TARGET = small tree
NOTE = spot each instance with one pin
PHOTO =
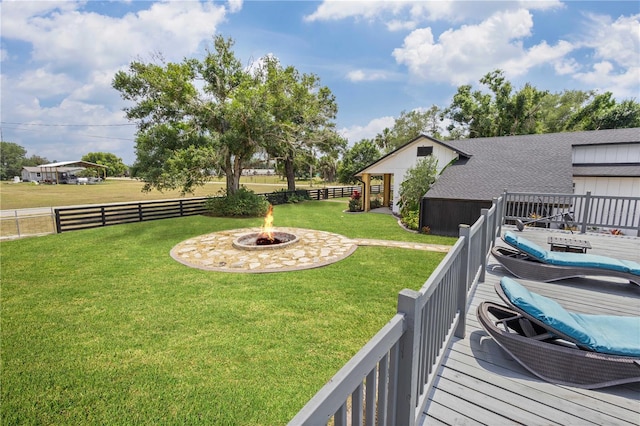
(417, 182)
(114, 164)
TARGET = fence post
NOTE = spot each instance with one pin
(586, 212)
(57, 219)
(485, 236)
(17, 222)
(503, 211)
(408, 357)
(465, 255)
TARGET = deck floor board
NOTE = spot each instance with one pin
(479, 383)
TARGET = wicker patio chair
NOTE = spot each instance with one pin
(525, 259)
(562, 347)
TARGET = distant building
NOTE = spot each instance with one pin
(63, 172)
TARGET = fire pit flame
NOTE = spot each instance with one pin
(266, 232)
(267, 239)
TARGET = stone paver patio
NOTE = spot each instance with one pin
(216, 252)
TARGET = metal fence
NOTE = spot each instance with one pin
(27, 222)
(388, 381)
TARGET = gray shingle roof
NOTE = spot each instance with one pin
(527, 163)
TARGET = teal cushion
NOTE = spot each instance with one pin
(525, 245)
(581, 260)
(614, 335)
(584, 260)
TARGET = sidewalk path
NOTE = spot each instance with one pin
(402, 244)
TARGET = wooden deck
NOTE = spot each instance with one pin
(480, 384)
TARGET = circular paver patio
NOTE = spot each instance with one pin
(215, 251)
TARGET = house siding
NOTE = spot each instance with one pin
(607, 154)
(610, 186)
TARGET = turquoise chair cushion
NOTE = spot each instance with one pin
(615, 335)
(581, 260)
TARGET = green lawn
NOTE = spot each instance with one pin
(103, 327)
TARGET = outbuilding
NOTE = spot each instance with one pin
(61, 172)
(474, 171)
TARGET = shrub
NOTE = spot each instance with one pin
(376, 203)
(284, 196)
(355, 202)
(410, 219)
(243, 203)
(417, 181)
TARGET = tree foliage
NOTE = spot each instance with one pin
(408, 126)
(115, 165)
(303, 114)
(417, 181)
(500, 111)
(212, 115)
(357, 158)
(603, 112)
(13, 158)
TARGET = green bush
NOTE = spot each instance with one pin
(376, 203)
(243, 203)
(284, 196)
(355, 202)
(411, 219)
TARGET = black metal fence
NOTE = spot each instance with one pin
(93, 216)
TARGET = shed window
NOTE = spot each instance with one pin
(424, 151)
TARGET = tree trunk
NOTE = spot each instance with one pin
(290, 173)
(237, 171)
(232, 175)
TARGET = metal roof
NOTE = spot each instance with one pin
(78, 163)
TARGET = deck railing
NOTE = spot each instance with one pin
(389, 380)
(589, 213)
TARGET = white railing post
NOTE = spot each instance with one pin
(465, 256)
(486, 228)
(408, 357)
(586, 212)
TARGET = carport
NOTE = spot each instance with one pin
(50, 172)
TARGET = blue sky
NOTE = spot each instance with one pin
(378, 58)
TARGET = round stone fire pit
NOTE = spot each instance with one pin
(236, 250)
(259, 241)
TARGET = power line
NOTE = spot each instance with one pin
(75, 134)
(67, 125)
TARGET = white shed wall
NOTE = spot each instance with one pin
(611, 186)
(606, 154)
(399, 162)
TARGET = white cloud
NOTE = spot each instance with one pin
(616, 46)
(367, 75)
(235, 6)
(356, 133)
(604, 78)
(617, 41)
(73, 58)
(411, 13)
(460, 55)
